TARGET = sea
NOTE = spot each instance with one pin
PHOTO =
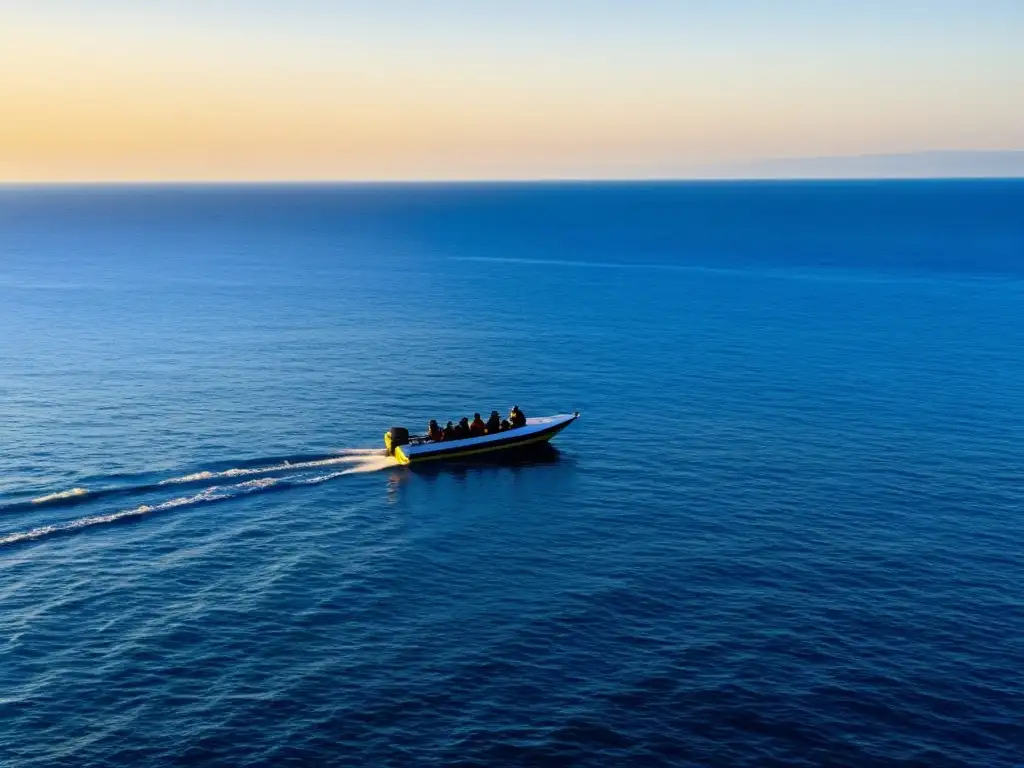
(786, 530)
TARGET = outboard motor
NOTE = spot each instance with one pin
(395, 437)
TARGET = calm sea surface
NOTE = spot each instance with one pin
(788, 528)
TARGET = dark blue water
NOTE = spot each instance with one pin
(787, 529)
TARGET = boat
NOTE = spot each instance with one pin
(414, 449)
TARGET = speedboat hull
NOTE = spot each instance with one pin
(537, 430)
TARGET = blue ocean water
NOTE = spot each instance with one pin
(785, 531)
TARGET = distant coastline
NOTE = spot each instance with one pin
(908, 165)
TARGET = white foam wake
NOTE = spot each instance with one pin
(346, 457)
(210, 494)
(214, 493)
(60, 495)
(363, 463)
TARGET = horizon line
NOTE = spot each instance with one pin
(584, 180)
(888, 166)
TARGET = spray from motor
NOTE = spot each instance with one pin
(370, 462)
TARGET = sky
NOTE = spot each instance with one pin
(245, 90)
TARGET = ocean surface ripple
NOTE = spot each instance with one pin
(785, 531)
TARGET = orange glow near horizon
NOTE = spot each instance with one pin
(155, 98)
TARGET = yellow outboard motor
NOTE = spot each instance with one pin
(395, 437)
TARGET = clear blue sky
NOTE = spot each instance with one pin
(311, 89)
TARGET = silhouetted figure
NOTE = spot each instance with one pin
(505, 425)
(494, 423)
(477, 428)
(462, 430)
(517, 418)
(449, 432)
(434, 432)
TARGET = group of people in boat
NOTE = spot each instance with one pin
(476, 428)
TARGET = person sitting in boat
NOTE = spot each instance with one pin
(462, 430)
(434, 432)
(494, 423)
(505, 425)
(449, 432)
(477, 428)
(517, 418)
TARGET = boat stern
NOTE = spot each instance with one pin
(394, 439)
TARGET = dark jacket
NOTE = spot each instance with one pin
(493, 424)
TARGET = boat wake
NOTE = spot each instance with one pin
(355, 459)
(347, 457)
(348, 462)
(50, 498)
